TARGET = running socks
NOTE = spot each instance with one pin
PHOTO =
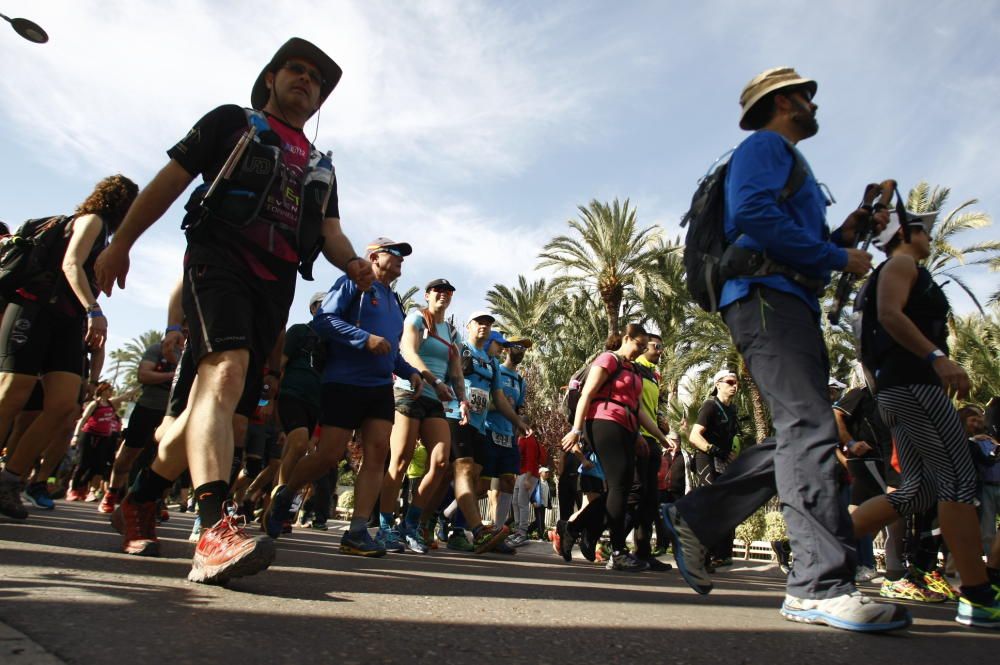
(386, 521)
(981, 594)
(504, 501)
(210, 498)
(150, 486)
(412, 519)
(358, 524)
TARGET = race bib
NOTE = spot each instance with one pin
(503, 440)
(479, 399)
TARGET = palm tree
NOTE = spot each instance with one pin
(128, 357)
(523, 309)
(610, 256)
(973, 345)
(409, 302)
(945, 258)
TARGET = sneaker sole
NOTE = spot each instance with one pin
(251, 563)
(817, 617)
(692, 582)
(978, 623)
(926, 601)
(355, 551)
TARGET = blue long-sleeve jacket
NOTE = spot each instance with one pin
(346, 320)
(793, 233)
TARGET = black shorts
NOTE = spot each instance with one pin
(37, 340)
(867, 479)
(501, 460)
(591, 484)
(347, 406)
(142, 425)
(467, 441)
(228, 310)
(418, 407)
(262, 442)
(295, 413)
(180, 387)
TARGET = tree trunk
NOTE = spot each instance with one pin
(612, 306)
(761, 420)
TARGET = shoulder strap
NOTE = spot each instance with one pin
(797, 176)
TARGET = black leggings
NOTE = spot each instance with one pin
(566, 485)
(97, 453)
(615, 447)
(643, 500)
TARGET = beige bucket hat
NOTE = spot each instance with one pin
(769, 81)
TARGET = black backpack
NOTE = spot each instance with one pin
(706, 242)
(871, 339)
(31, 258)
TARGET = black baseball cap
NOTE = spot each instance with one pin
(440, 283)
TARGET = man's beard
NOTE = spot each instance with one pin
(806, 121)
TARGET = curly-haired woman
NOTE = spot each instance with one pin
(46, 329)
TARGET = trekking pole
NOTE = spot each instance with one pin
(885, 190)
(361, 303)
(235, 156)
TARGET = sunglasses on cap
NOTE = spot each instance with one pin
(390, 250)
(730, 382)
(299, 69)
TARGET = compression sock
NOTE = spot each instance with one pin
(149, 486)
(452, 508)
(386, 521)
(504, 500)
(458, 520)
(210, 498)
(358, 524)
(412, 516)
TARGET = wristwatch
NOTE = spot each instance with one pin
(934, 355)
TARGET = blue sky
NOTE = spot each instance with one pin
(474, 130)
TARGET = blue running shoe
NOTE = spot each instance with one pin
(360, 543)
(277, 512)
(980, 616)
(38, 495)
(414, 539)
(441, 532)
(389, 540)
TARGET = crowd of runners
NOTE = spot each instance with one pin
(252, 416)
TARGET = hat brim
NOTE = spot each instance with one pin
(403, 247)
(443, 287)
(810, 84)
(297, 48)
(520, 341)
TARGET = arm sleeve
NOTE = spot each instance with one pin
(757, 177)
(331, 321)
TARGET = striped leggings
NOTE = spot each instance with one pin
(931, 444)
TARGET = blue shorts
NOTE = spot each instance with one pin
(501, 460)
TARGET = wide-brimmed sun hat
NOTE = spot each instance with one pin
(296, 47)
(924, 219)
(769, 81)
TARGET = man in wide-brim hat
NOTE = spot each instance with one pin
(239, 280)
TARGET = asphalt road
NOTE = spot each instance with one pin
(64, 585)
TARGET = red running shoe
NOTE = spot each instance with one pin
(137, 523)
(76, 495)
(108, 502)
(227, 550)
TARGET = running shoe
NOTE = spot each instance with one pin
(723, 562)
(487, 537)
(11, 504)
(38, 495)
(318, 526)
(226, 551)
(587, 546)
(602, 554)
(428, 535)
(936, 582)
(195, 534)
(503, 548)
(389, 540)
(864, 574)
(908, 589)
(360, 543)
(414, 539)
(91, 497)
(565, 538)
(76, 495)
(459, 542)
(659, 551)
(627, 562)
(980, 616)
(517, 539)
(849, 611)
(108, 502)
(277, 513)
(656, 565)
(164, 515)
(136, 522)
(441, 531)
(689, 553)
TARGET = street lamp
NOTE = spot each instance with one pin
(27, 29)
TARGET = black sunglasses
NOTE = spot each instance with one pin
(299, 68)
